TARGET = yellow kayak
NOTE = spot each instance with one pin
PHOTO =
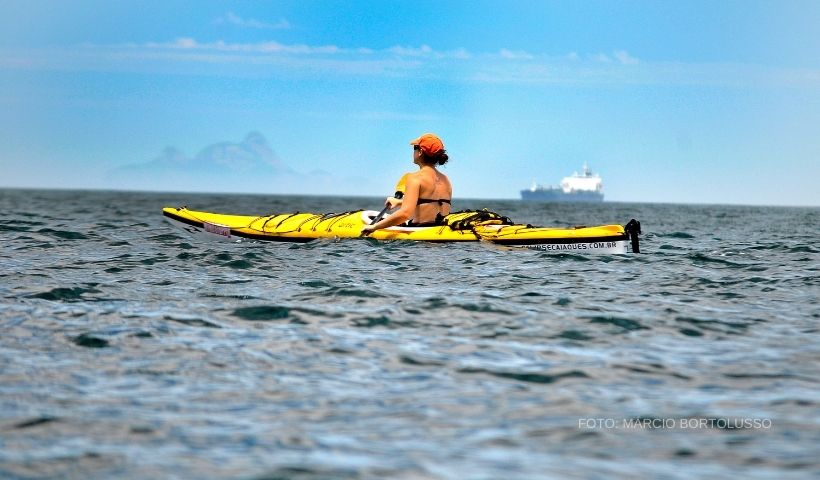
(466, 226)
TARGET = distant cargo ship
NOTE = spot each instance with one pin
(584, 187)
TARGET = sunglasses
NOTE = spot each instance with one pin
(416, 147)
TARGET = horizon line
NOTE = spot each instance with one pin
(322, 195)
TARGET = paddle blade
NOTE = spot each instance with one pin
(401, 186)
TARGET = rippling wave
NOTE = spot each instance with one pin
(132, 350)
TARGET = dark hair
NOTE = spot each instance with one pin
(439, 158)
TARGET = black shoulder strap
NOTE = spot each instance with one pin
(440, 201)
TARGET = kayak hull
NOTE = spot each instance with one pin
(472, 226)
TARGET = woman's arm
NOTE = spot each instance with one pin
(392, 202)
(408, 207)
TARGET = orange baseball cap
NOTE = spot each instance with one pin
(429, 144)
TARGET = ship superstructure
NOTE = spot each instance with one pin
(584, 187)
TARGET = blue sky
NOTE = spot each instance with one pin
(686, 102)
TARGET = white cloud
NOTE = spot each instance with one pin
(262, 47)
(620, 56)
(601, 58)
(504, 66)
(425, 51)
(184, 43)
(421, 51)
(231, 18)
(515, 55)
(625, 58)
(461, 54)
(273, 47)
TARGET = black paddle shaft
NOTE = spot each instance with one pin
(384, 210)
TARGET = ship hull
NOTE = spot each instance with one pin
(556, 195)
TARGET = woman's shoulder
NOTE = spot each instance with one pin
(415, 176)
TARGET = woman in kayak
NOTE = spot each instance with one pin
(427, 193)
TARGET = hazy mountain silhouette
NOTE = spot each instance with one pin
(247, 166)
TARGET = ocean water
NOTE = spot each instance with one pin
(130, 350)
